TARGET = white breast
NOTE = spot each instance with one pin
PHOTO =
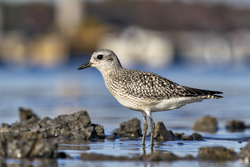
(173, 103)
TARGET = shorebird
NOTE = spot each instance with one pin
(144, 91)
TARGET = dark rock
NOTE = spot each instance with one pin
(194, 136)
(52, 131)
(80, 118)
(99, 131)
(216, 154)
(81, 133)
(130, 128)
(28, 125)
(234, 125)
(162, 134)
(26, 145)
(76, 126)
(43, 148)
(189, 138)
(206, 124)
(111, 137)
(180, 136)
(245, 151)
(197, 136)
(116, 131)
(44, 122)
(25, 139)
(25, 114)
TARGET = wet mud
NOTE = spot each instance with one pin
(155, 156)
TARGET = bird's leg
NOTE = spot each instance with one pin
(145, 128)
(143, 151)
(152, 149)
(152, 126)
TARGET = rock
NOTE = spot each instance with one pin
(116, 131)
(206, 124)
(189, 138)
(111, 137)
(44, 122)
(76, 126)
(194, 136)
(245, 151)
(26, 125)
(25, 139)
(216, 153)
(180, 136)
(197, 136)
(29, 122)
(162, 134)
(25, 114)
(234, 125)
(99, 131)
(130, 128)
(26, 145)
(80, 118)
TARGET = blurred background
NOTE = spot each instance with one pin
(200, 43)
(47, 33)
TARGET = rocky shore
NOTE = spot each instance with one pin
(34, 137)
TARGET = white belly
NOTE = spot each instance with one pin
(173, 103)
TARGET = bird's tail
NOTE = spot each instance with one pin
(201, 93)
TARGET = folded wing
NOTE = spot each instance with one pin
(194, 92)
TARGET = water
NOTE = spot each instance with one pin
(64, 90)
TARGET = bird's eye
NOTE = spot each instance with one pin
(99, 57)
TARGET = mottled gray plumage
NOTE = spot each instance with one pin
(143, 91)
(148, 85)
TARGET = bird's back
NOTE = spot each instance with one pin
(148, 85)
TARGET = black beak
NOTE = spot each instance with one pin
(86, 65)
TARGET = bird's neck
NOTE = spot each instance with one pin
(111, 71)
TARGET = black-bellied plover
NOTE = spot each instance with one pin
(143, 91)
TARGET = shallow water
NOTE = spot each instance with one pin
(64, 90)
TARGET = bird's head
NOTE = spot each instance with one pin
(103, 60)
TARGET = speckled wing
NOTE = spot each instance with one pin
(152, 86)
